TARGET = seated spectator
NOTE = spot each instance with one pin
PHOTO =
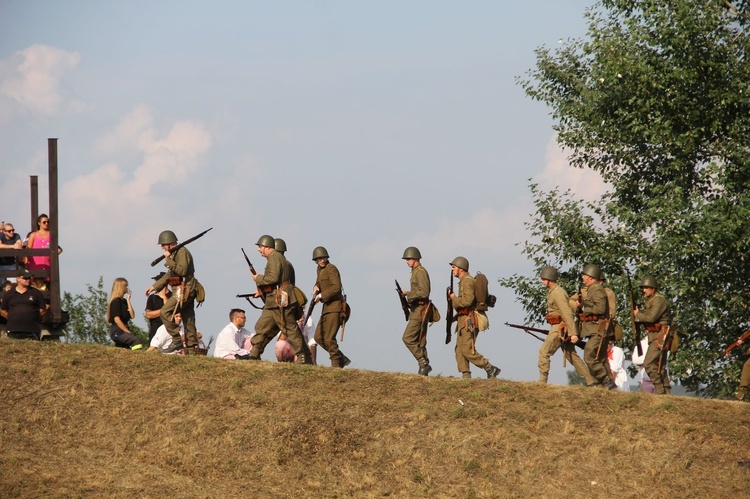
(154, 302)
(162, 339)
(119, 313)
(233, 342)
(9, 240)
(637, 360)
(23, 307)
(616, 359)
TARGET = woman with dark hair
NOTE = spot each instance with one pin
(119, 313)
(39, 239)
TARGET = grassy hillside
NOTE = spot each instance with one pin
(95, 421)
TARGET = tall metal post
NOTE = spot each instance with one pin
(54, 232)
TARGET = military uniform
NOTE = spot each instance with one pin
(559, 314)
(744, 387)
(655, 318)
(418, 298)
(466, 328)
(273, 319)
(594, 326)
(179, 267)
(329, 284)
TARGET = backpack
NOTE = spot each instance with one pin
(485, 300)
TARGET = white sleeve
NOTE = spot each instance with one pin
(225, 343)
(162, 339)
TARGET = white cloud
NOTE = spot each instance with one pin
(586, 184)
(117, 201)
(32, 76)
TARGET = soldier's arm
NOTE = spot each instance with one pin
(595, 303)
(467, 296)
(272, 272)
(652, 311)
(179, 262)
(334, 283)
(420, 285)
(566, 313)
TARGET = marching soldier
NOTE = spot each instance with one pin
(655, 319)
(280, 304)
(563, 331)
(466, 330)
(180, 276)
(418, 298)
(328, 290)
(593, 312)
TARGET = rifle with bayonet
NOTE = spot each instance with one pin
(531, 330)
(402, 298)
(449, 312)
(247, 296)
(180, 245)
(636, 325)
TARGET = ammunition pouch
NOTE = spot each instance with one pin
(267, 288)
(464, 311)
(590, 318)
(653, 328)
(174, 280)
(553, 319)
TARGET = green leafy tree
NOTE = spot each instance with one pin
(656, 99)
(88, 316)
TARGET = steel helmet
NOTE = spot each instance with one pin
(167, 237)
(592, 270)
(279, 244)
(266, 241)
(549, 273)
(461, 263)
(320, 252)
(411, 253)
(648, 281)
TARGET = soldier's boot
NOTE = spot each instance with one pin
(466, 375)
(344, 361)
(173, 347)
(741, 393)
(424, 370)
(255, 353)
(543, 377)
(492, 371)
(667, 390)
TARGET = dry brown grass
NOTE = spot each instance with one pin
(94, 421)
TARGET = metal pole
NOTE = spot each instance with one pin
(53, 228)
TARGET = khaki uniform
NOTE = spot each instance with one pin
(180, 264)
(655, 313)
(466, 328)
(744, 387)
(273, 319)
(329, 284)
(559, 308)
(418, 297)
(594, 314)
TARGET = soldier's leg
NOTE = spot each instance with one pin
(469, 350)
(651, 364)
(548, 349)
(331, 326)
(580, 366)
(591, 358)
(294, 336)
(188, 319)
(411, 339)
(744, 387)
(166, 314)
(266, 329)
(461, 362)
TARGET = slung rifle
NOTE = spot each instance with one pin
(183, 243)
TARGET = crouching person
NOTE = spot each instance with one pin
(233, 342)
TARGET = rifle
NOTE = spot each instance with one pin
(247, 296)
(343, 317)
(636, 325)
(404, 303)
(310, 308)
(183, 243)
(531, 330)
(449, 313)
(251, 295)
(734, 345)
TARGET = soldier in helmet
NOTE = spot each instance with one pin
(563, 331)
(465, 303)
(418, 298)
(593, 312)
(180, 276)
(328, 290)
(655, 319)
(280, 309)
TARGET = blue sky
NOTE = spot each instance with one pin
(364, 127)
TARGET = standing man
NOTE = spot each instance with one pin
(418, 298)
(563, 331)
(9, 240)
(180, 276)
(327, 290)
(655, 320)
(154, 302)
(466, 330)
(234, 341)
(23, 307)
(594, 316)
(280, 304)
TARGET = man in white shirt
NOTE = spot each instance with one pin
(233, 342)
(162, 339)
(619, 375)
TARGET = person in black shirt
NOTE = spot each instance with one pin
(119, 313)
(23, 307)
(154, 302)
